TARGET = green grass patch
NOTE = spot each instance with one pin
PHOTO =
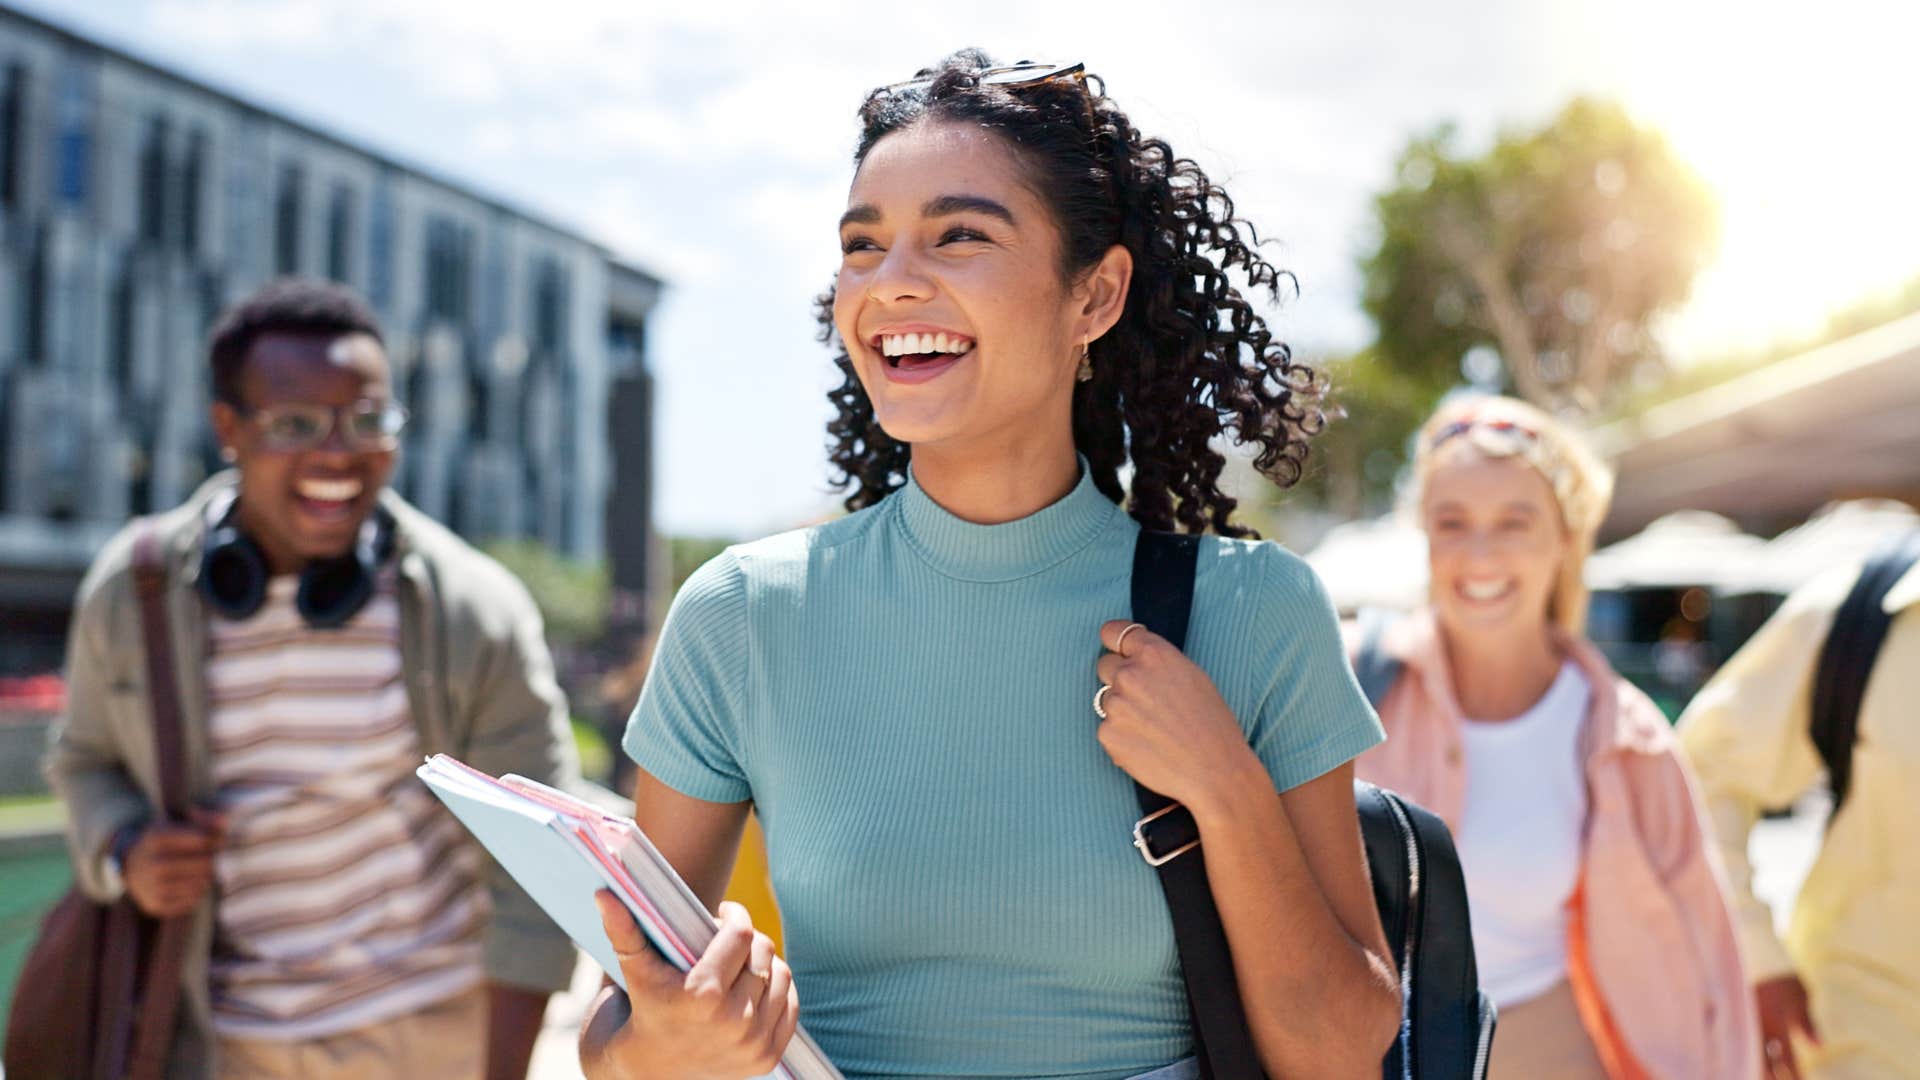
(24, 813)
(34, 882)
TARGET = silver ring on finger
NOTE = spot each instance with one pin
(1100, 701)
(1120, 643)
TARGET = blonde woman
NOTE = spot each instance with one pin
(1599, 919)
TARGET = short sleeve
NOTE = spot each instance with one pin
(1312, 717)
(685, 731)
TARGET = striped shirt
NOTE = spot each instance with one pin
(347, 894)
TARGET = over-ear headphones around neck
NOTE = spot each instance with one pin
(233, 571)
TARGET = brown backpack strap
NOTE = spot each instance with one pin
(150, 584)
(160, 997)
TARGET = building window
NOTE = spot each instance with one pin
(286, 221)
(153, 182)
(13, 132)
(449, 263)
(33, 343)
(494, 307)
(550, 302)
(73, 156)
(122, 331)
(380, 246)
(193, 181)
(478, 415)
(339, 232)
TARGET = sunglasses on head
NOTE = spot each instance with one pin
(1011, 77)
(1499, 427)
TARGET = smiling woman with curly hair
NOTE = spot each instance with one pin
(1188, 359)
(936, 703)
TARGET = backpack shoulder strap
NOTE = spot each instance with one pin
(1374, 668)
(165, 964)
(150, 586)
(1168, 838)
(1846, 660)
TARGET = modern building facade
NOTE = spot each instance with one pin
(136, 203)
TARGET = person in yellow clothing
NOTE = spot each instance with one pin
(1839, 999)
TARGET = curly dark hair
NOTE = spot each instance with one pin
(288, 305)
(1189, 359)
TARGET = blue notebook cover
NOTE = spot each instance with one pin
(536, 845)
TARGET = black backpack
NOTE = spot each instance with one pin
(1446, 1022)
(1847, 657)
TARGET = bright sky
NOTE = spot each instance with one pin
(712, 142)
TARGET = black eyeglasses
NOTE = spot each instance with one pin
(1011, 77)
(363, 425)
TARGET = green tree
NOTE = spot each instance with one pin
(1351, 470)
(1557, 248)
(572, 596)
(686, 554)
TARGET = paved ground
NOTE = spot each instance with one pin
(553, 1055)
(1782, 851)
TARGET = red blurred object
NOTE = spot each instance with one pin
(33, 693)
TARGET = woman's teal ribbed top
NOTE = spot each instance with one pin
(906, 698)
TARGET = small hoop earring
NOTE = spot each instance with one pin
(1084, 373)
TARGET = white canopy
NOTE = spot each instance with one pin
(1841, 534)
(1681, 550)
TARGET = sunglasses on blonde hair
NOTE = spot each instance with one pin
(1498, 427)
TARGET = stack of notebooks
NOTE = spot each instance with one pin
(562, 850)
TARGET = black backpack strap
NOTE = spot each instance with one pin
(1163, 566)
(1846, 660)
(1373, 667)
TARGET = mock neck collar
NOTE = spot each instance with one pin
(1016, 549)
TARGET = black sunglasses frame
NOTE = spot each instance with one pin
(1009, 77)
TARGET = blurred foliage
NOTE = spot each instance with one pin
(1556, 248)
(685, 554)
(596, 757)
(1535, 268)
(1351, 470)
(572, 596)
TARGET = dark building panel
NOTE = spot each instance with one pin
(630, 502)
(288, 203)
(13, 132)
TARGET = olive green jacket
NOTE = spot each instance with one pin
(480, 684)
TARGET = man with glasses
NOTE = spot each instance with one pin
(328, 636)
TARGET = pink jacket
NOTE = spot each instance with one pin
(1652, 957)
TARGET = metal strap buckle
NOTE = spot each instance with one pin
(1146, 849)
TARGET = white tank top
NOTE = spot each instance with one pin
(1519, 839)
